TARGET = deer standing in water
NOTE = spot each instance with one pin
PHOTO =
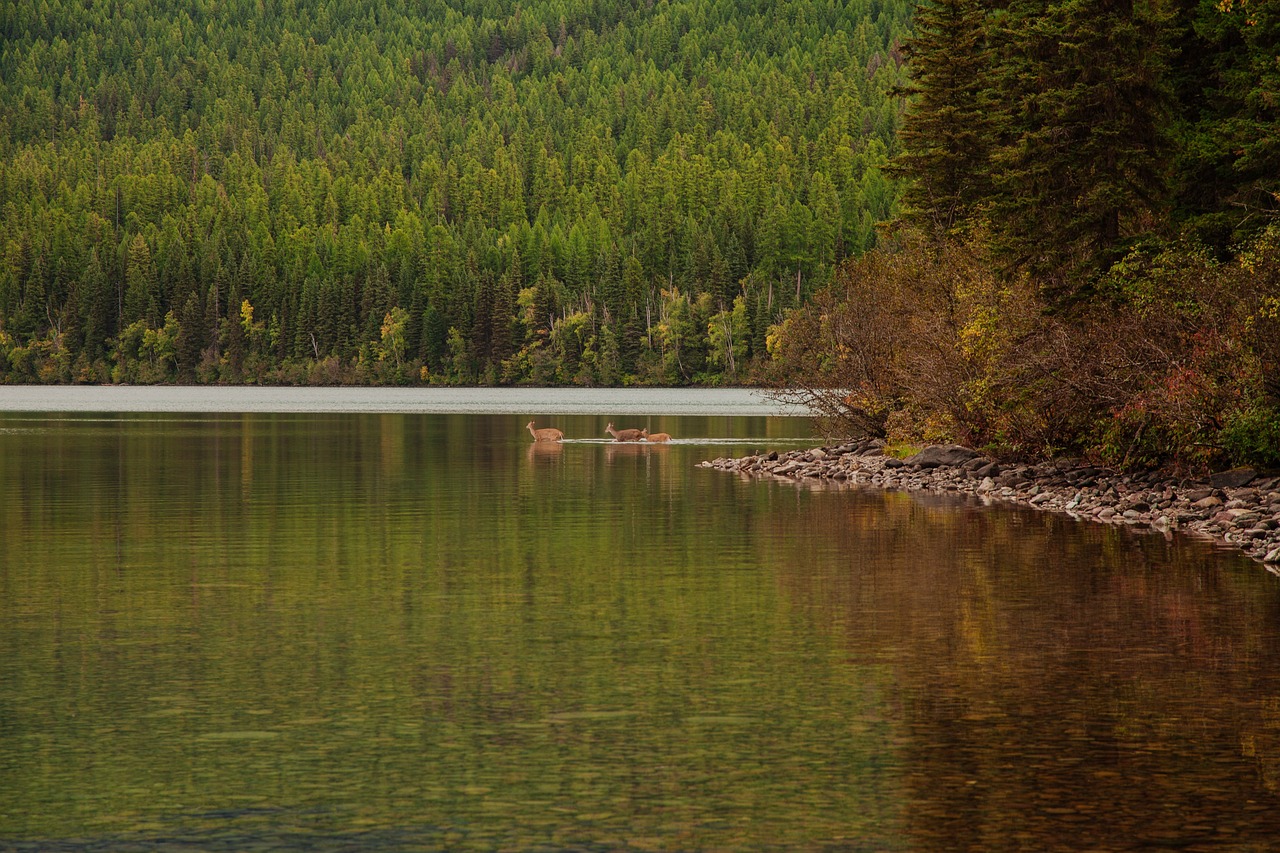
(655, 436)
(548, 434)
(624, 434)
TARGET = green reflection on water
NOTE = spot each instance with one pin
(422, 632)
(332, 624)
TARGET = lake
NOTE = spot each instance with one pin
(354, 622)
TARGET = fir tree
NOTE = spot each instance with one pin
(1085, 113)
(948, 128)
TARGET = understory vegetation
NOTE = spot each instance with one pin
(1172, 361)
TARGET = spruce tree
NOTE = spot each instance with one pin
(95, 307)
(947, 130)
(1084, 163)
(191, 341)
(1228, 86)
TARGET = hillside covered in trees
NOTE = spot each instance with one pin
(1087, 259)
(554, 191)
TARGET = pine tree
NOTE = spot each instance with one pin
(504, 309)
(95, 307)
(1228, 88)
(139, 296)
(948, 128)
(1085, 161)
(191, 341)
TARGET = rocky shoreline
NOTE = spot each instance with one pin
(1238, 507)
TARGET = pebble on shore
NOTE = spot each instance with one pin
(1238, 507)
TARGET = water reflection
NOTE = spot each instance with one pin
(546, 450)
(1065, 685)
(616, 450)
(385, 631)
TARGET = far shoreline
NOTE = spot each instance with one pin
(204, 399)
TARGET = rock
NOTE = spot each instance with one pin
(1236, 508)
(1233, 479)
(991, 469)
(938, 455)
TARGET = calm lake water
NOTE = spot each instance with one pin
(418, 631)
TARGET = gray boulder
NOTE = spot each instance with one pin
(939, 455)
(1234, 479)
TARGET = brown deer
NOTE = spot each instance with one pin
(624, 434)
(548, 434)
(655, 436)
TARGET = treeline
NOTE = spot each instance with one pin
(559, 191)
(1088, 256)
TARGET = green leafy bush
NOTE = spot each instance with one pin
(1252, 437)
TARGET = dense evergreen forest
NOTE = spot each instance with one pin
(1087, 258)
(445, 191)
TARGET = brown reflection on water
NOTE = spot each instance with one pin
(1061, 685)
(545, 450)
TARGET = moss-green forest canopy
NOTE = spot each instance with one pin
(586, 191)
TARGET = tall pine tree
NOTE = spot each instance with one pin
(947, 130)
(1085, 155)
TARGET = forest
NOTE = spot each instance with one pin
(1086, 259)
(1035, 227)
(584, 192)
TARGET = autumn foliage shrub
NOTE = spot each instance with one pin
(911, 342)
(1170, 361)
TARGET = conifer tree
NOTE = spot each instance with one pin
(1228, 87)
(1085, 155)
(95, 307)
(948, 128)
(139, 297)
(190, 344)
